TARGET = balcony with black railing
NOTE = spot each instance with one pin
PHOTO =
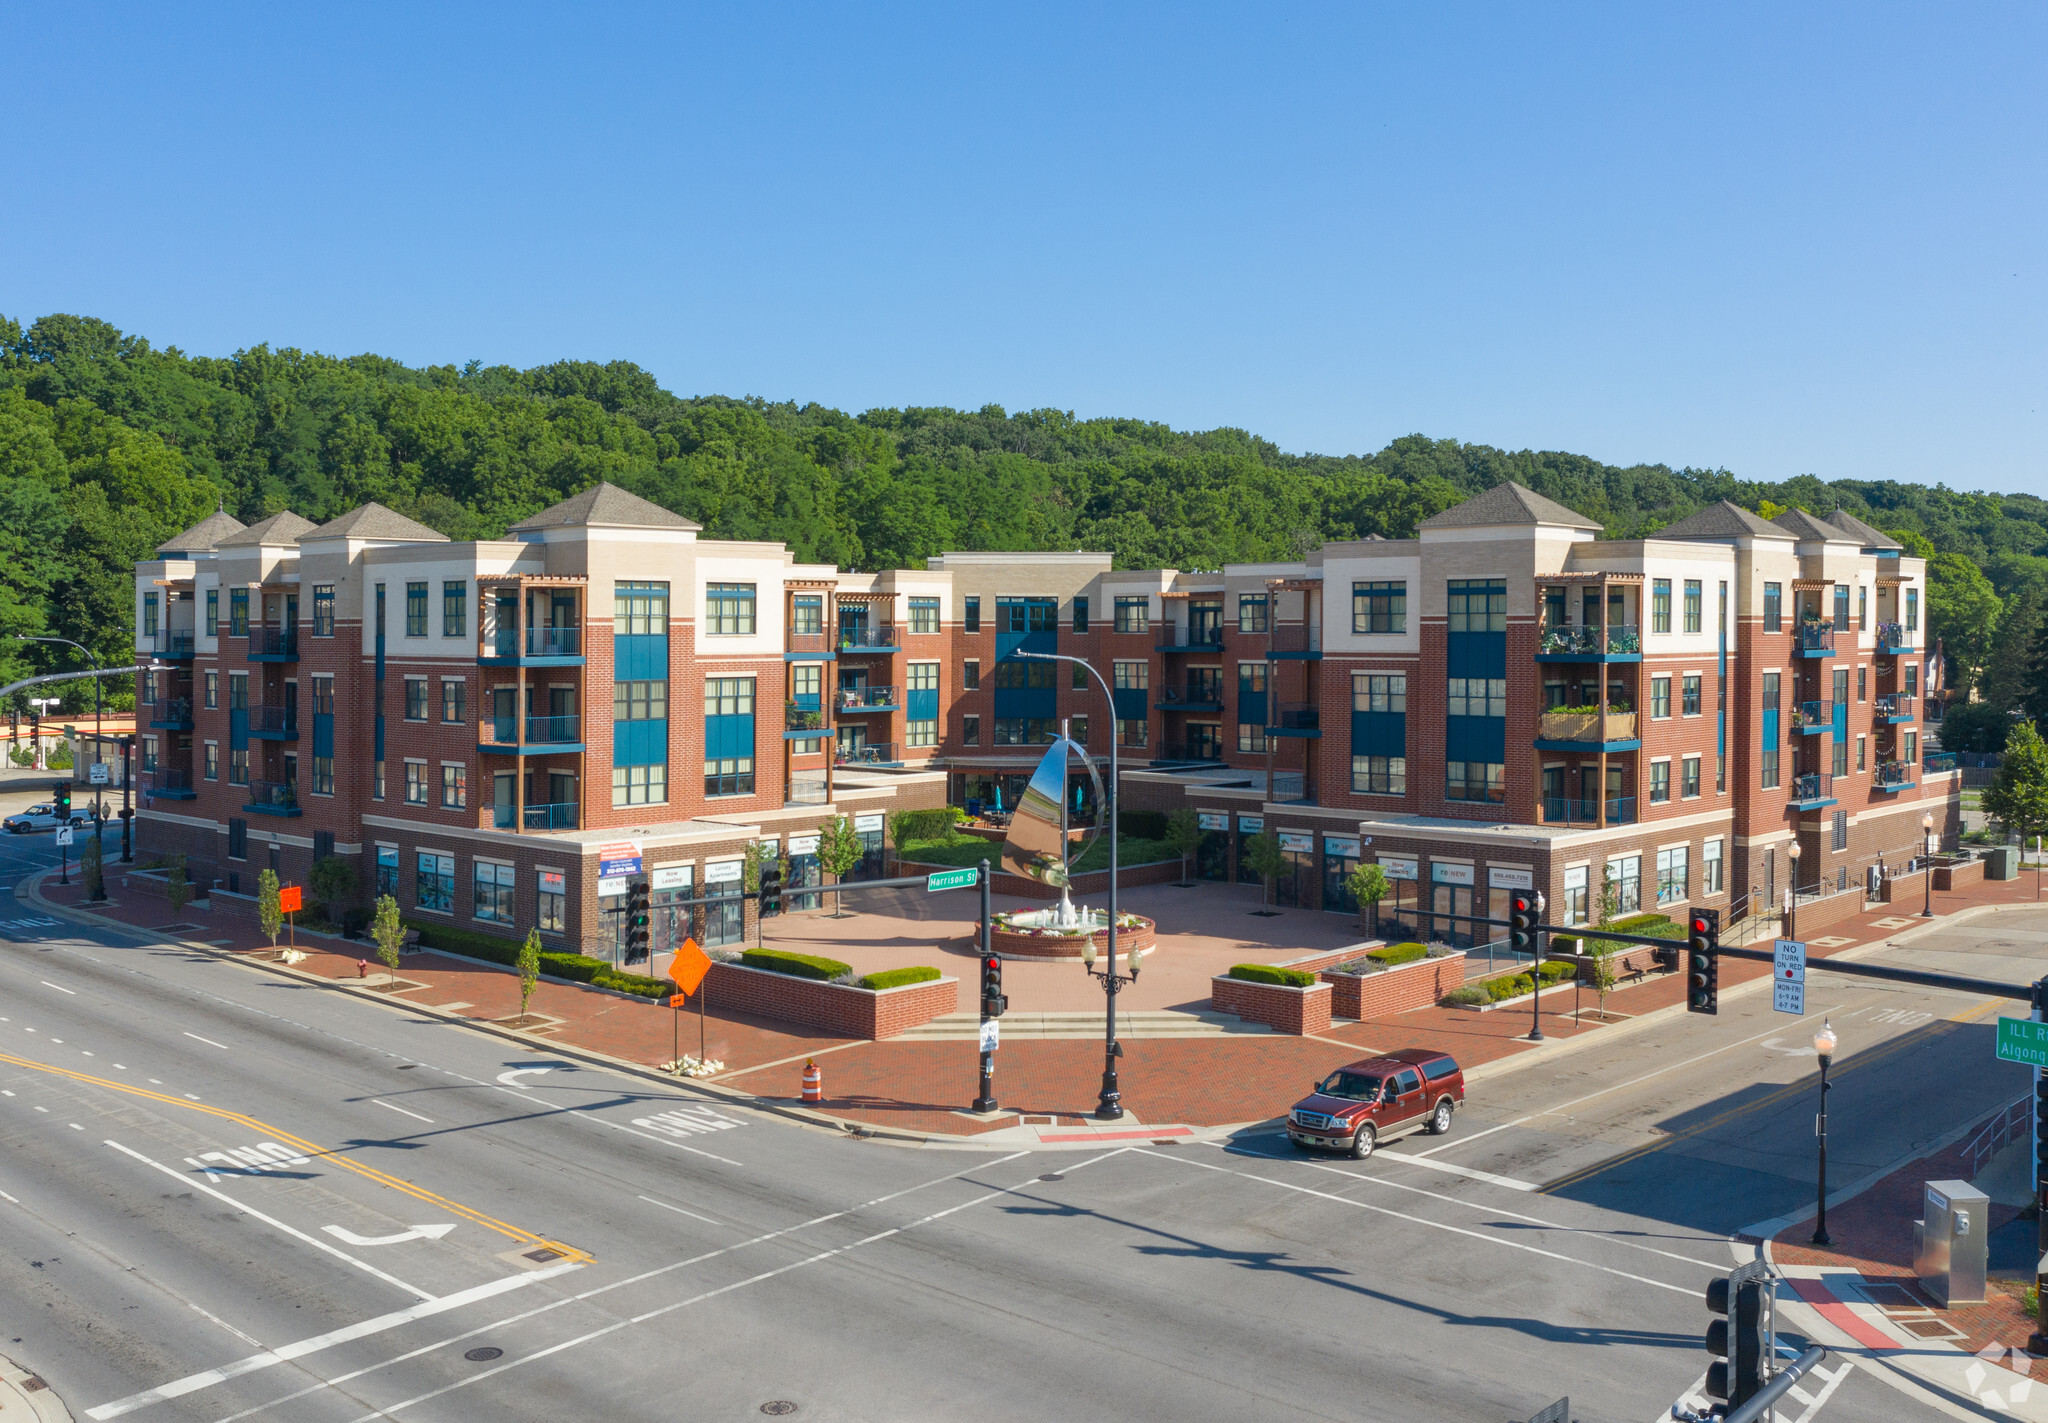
(1172, 635)
(1814, 637)
(1199, 695)
(1812, 790)
(865, 753)
(1812, 718)
(850, 700)
(549, 645)
(274, 723)
(1895, 706)
(1893, 639)
(560, 816)
(173, 783)
(1583, 642)
(1588, 810)
(176, 646)
(274, 644)
(1295, 719)
(1892, 776)
(1193, 751)
(1296, 641)
(171, 714)
(862, 639)
(803, 719)
(543, 735)
(273, 798)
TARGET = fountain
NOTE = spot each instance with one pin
(1040, 848)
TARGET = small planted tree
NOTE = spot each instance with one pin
(2019, 794)
(389, 932)
(839, 850)
(529, 968)
(1369, 885)
(334, 885)
(269, 913)
(1264, 858)
(177, 888)
(1184, 833)
(92, 869)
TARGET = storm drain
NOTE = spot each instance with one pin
(777, 1407)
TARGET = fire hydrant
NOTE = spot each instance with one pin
(814, 1082)
(362, 968)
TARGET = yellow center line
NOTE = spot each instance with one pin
(314, 1149)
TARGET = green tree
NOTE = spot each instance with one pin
(2018, 795)
(2008, 673)
(334, 885)
(529, 968)
(1264, 858)
(1976, 727)
(839, 850)
(388, 931)
(177, 888)
(92, 869)
(1369, 885)
(1963, 610)
(268, 912)
(1604, 977)
(1184, 834)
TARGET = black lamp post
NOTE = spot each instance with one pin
(1792, 894)
(99, 819)
(127, 809)
(1927, 855)
(1824, 1046)
(1111, 1104)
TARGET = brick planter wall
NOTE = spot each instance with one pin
(1289, 1010)
(1904, 889)
(1394, 990)
(1956, 876)
(1836, 908)
(834, 1007)
(1627, 962)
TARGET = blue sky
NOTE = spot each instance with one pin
(1776, 239)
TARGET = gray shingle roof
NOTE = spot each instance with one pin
(203, 536)
(273, 532)
(1507, 503)
(373, 521)
(1721, 520)
(1872, 538)
(1804, 527)
(608, 505)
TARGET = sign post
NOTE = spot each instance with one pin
(288, 899)
(1788, 977)
(686, 969)
(63, 854)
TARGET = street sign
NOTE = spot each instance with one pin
(63, 835)
(991, 1035)
(2023, 1040)
(1788, 975)
(1790, 955)
(98, 773)
(288, 899)
(688, 967)
(618, 857)
(1789, 996)
(951, 879)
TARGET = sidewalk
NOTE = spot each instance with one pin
(23, 1396)
(922, 1088)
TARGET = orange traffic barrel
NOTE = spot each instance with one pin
(814, 1083)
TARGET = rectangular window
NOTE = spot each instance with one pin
(377, 779)
(1133, 732)
(1077, 728)
(970, 674)
(1841, 607)
(149, 753)
(924, 615)
(640, 785)
(238, 612)
(1133, 614)
(1475, 781)
(1080, 682)
(1862, 609)
(1374, 692)
(1251, 612)
(726, 696)
(971, 618)
(1689, 777)
(730, 775)
(1862, 745)
(387, 870)
(1380, 607)
(1912, 756)
(212, 690)
(1660, 697)
(551, 901)
(1131, 676)
(1770, 698)
(648, 701)
(1251, 736)
(1024, 731)
(323, 775)
(434, 882)
(454, 608)
(729, 609)
(806, 685)
(238, 691)
(1774, 607)
(1660, 781)
(1379, 775)
(1694, 613)
(970, 730)
(640, 609)
(323, 610)
(1770, 769)
(1478, 605)
(1912, 609)
(924, 677)
(1478, 696)
(1710, 867)
(1660, 605)
(416, 609)
(149, 693)
(415, 783)
(149, 614)
(213, 760)
(1080, 615)
(323, 696)
(454, 692)
(1027, 615)
(1690, 692)
(1841, 829)
(415, 699)
(238, 841)
(1625, 876)
(1575, 906)
(1841, 758)
(493, 901)
(807, 615)
(238, 767)
(1016, 674)
(1671, 874)
(213, 612)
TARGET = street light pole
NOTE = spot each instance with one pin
(1927, 857)
(1824, 1047)
(1792, 893)
(99, 819)
(127, 808)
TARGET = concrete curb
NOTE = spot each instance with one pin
(35, 1399)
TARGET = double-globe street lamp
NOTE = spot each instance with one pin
(1927, 864)
(1824, 1048)
(1109, 1102)
(99, 817)
(1792, 893)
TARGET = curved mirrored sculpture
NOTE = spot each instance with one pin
(1037, 846)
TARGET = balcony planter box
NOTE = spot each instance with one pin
(1299, 1011)
(1393, 990)
(836, 1008)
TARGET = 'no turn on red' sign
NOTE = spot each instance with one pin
(1788, 977)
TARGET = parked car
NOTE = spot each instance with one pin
(38, 817)
(1357, 1107)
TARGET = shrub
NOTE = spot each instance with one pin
(1393, 954)
(1266, 973)
(907, 826)
(575, 967)
(469, 943)
(1470, 994)
(1515, 985)
(633, 983)
(798, 965)
(896, 977)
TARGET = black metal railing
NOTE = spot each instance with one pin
(171, 713)
(795, 718)
(1814, 635)
(1173, 636)
(173, 779)
(1814, 785)
(1191, 751)
(273, 795)
(1196, 694)
(1893, 638)
(858, 639)
(1810, 716)
(1296, 637)
(175, 645)
(560, 816)
(266, 720)
(274, 642)
(854, 699)
(1296, 716)
(1899, 704)
(865, 753)
(1583, 639)
(1892, 774)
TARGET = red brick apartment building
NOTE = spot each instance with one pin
(1504, 701)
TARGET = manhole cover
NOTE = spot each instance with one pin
(484, 1355)
(543, 1255)
(1930, 1328)
(778, 1407)
(1052, 1176)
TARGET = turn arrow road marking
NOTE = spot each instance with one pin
(418, 1232)
(511, 1079)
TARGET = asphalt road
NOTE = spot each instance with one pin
(224, 1195)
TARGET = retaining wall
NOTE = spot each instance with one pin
(1288, 1010)
(834, 1007)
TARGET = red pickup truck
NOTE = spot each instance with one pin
(1357, 1107)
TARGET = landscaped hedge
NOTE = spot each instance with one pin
(797, 965)
(896, 977)
(907, 826)
(1142, 824)
(633, 983)
(1643, 926)
(469, 942)
(577, 968)
(1266, 973)
(1393, 954)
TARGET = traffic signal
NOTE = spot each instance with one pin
(771, 889)
(1703, 961)
(61, 795)
(1522, 924)
(1741, 1339)
(992, 1000)
(638, 921)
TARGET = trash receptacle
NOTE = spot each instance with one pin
(1951, 1242)
(2002, 862)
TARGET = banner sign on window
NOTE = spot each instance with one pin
(553, 883)
(1298, 842)
(1441, 873)
(611, 888)
(1212, 820)
(671, 877)
(1343, 847)
(803, 844)
(725, 872)
(1396, 867)
(1510, 879)
(1250, 824)
(866, 823)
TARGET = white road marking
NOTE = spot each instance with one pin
(418, 1232)
(192, 1383)
(9, 1199)
(5, 1093)
(42, 1109)
(679, 1210)
(686, 1121)
(1487, 1176)
(667, 1139)
(508, 1078)
(292, 1231)
(414, 1115)
(156, 1081)
(121, 1066)
(208, 1041)
(58, 1041)
(1688, 1290)
(75, 1126)
(59, 987)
